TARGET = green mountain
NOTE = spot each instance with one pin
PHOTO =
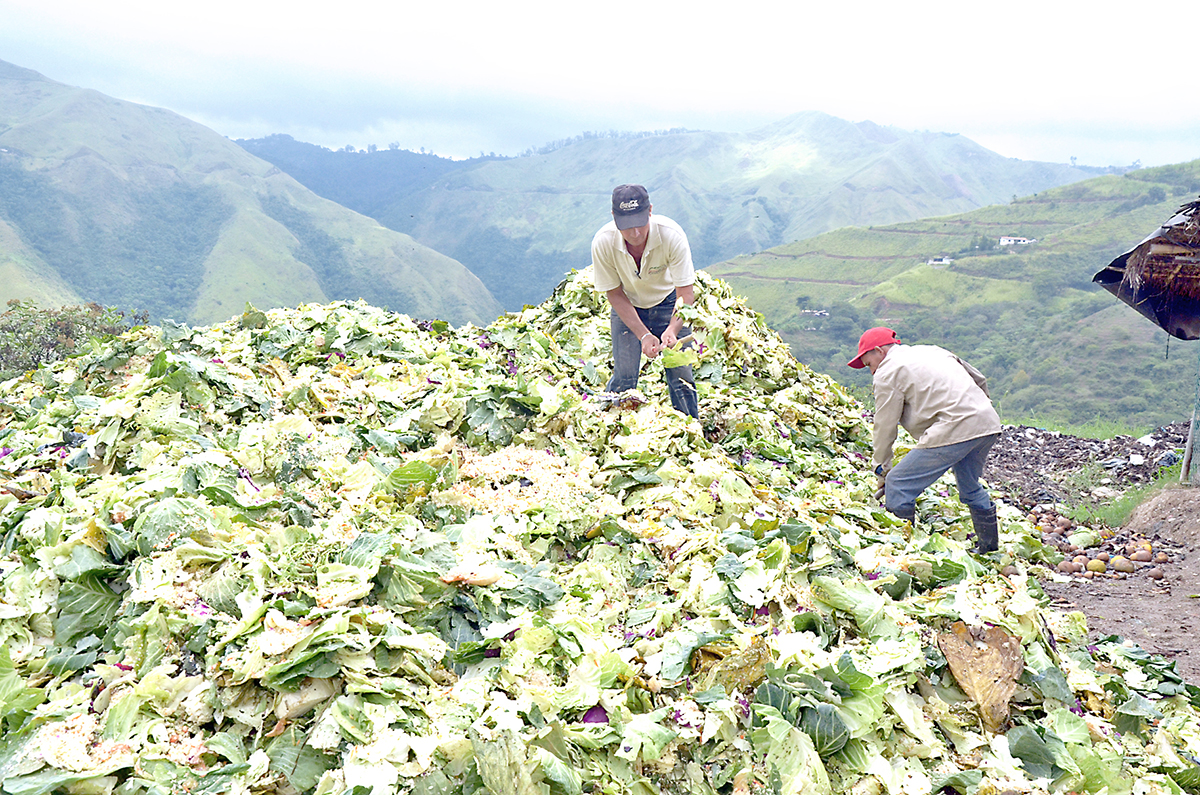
(521, 223)
(365, 180)
(1054, 346)
(133, 206)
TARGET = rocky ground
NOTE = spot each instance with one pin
(1140, 581)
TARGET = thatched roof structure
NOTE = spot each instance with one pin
(1160, 277)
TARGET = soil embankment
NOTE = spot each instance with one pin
(1157, 604)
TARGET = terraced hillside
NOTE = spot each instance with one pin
(1054, 346)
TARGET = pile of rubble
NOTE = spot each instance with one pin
(1033, 466)
(1047, 472)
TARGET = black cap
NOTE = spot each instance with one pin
(631, 206)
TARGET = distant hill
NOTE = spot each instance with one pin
(366, 181)
(1054, 346)
(521, 223)
(137, 207)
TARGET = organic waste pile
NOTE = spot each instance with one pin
(1050, 474)
(1036, 468)
(334, 550)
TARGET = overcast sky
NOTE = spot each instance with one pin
(1043, 80)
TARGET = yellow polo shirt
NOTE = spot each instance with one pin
(666, 262)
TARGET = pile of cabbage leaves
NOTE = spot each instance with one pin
(336, 550)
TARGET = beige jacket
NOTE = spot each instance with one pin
(936, 396)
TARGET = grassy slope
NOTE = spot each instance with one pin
(23, 274)
(139, 207)
(366, 182)
(733, 193)
(1055, 347)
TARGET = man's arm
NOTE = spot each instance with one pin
(604, 268)
(629, 316)
(976, 376)
(889, 406)
(684, 295)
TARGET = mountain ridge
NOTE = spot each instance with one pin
(1055, 347)
(137, 206)
(522, 223)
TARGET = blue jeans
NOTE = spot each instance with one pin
(627, 357)
(924, 465)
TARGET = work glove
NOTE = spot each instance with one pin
(881, 479)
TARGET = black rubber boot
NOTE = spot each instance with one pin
(906, 513)
(987, 532)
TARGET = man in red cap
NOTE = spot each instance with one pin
(943, 403)
(643, 264)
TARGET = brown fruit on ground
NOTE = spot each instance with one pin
(1122, 564)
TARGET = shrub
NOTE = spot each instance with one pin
(31, 336)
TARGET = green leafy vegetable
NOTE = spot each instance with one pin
(335, 550)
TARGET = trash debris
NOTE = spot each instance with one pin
(986, 663)
(333, 550)
(1160, 277)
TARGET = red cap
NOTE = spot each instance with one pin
(871, 339)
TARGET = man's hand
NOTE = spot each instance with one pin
(881, 479)
(651, 346)
(669, 337)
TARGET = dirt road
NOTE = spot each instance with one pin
(1157, 604)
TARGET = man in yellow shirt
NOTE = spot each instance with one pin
(643, 264)
(943, 403)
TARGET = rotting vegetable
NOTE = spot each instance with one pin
(333, 549)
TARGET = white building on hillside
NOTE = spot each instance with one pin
(1006, 240)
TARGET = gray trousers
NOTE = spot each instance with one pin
(922, 466)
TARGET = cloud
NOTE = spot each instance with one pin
(1038, 80)
(1114, 143)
